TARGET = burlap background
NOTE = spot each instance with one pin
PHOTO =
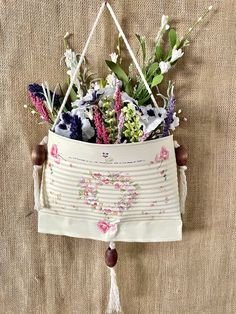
(59, 275)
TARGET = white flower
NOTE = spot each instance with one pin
(71, 63)
(152, 117)
(164, 22)
(80, 112)
(77, 103)
(164, 66)
(114, 57)
(87, 130)
(175, 122)
(164, 27)
(62, 129)
(111, 79)
(176, 54)
(96, 86)
(127, 99)
(107, 91)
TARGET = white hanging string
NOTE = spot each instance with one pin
(131, 54)
(105, 4)
(79, 63)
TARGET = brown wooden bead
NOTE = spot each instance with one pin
(39, 155)
(181, 155)
(111, 257)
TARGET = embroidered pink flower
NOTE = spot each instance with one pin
(54, 151)
(104, 226)
(97, 175)
(105, 180)
(164, 154)
(117, 185)
(54, 154)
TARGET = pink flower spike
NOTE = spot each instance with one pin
(102, 133)
(39, 105)
(118, 101)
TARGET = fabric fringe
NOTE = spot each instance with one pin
(36, 174)
(114, 297)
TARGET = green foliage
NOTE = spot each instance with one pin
(152, 68)
(157, 80)
(172, 37)
(120, 73)
(158, 53)
(73, 95)
(110, 120)
(132, 130)
(142, 43)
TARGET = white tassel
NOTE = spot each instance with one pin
(36, 177)
(114, 297)
(182, 184)
(182, 188)
(36, 174)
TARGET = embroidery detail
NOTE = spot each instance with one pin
(89, 192)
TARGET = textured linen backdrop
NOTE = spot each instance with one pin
(61, 275)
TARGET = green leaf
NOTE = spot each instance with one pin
(159, 53)
(172, 37)
(142, 101)
(142, 42)
(152, 69)
(177, 43)
(119, 72)
(157, 80)
(73, 95)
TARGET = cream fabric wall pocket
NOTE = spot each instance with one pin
(120, 192)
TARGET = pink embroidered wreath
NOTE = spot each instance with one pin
(89, 191)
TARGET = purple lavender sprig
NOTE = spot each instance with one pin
(169, 119)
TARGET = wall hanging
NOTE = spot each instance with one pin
(107, 170)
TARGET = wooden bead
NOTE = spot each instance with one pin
(181, 155)
(39, 155)
(111, 257)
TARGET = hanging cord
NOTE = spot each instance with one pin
(183, 189)
(131, 53)
(36, 176)
(114, 296)
(79, 64)
(105, 4)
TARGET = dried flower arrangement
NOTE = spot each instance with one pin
(117, 109)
